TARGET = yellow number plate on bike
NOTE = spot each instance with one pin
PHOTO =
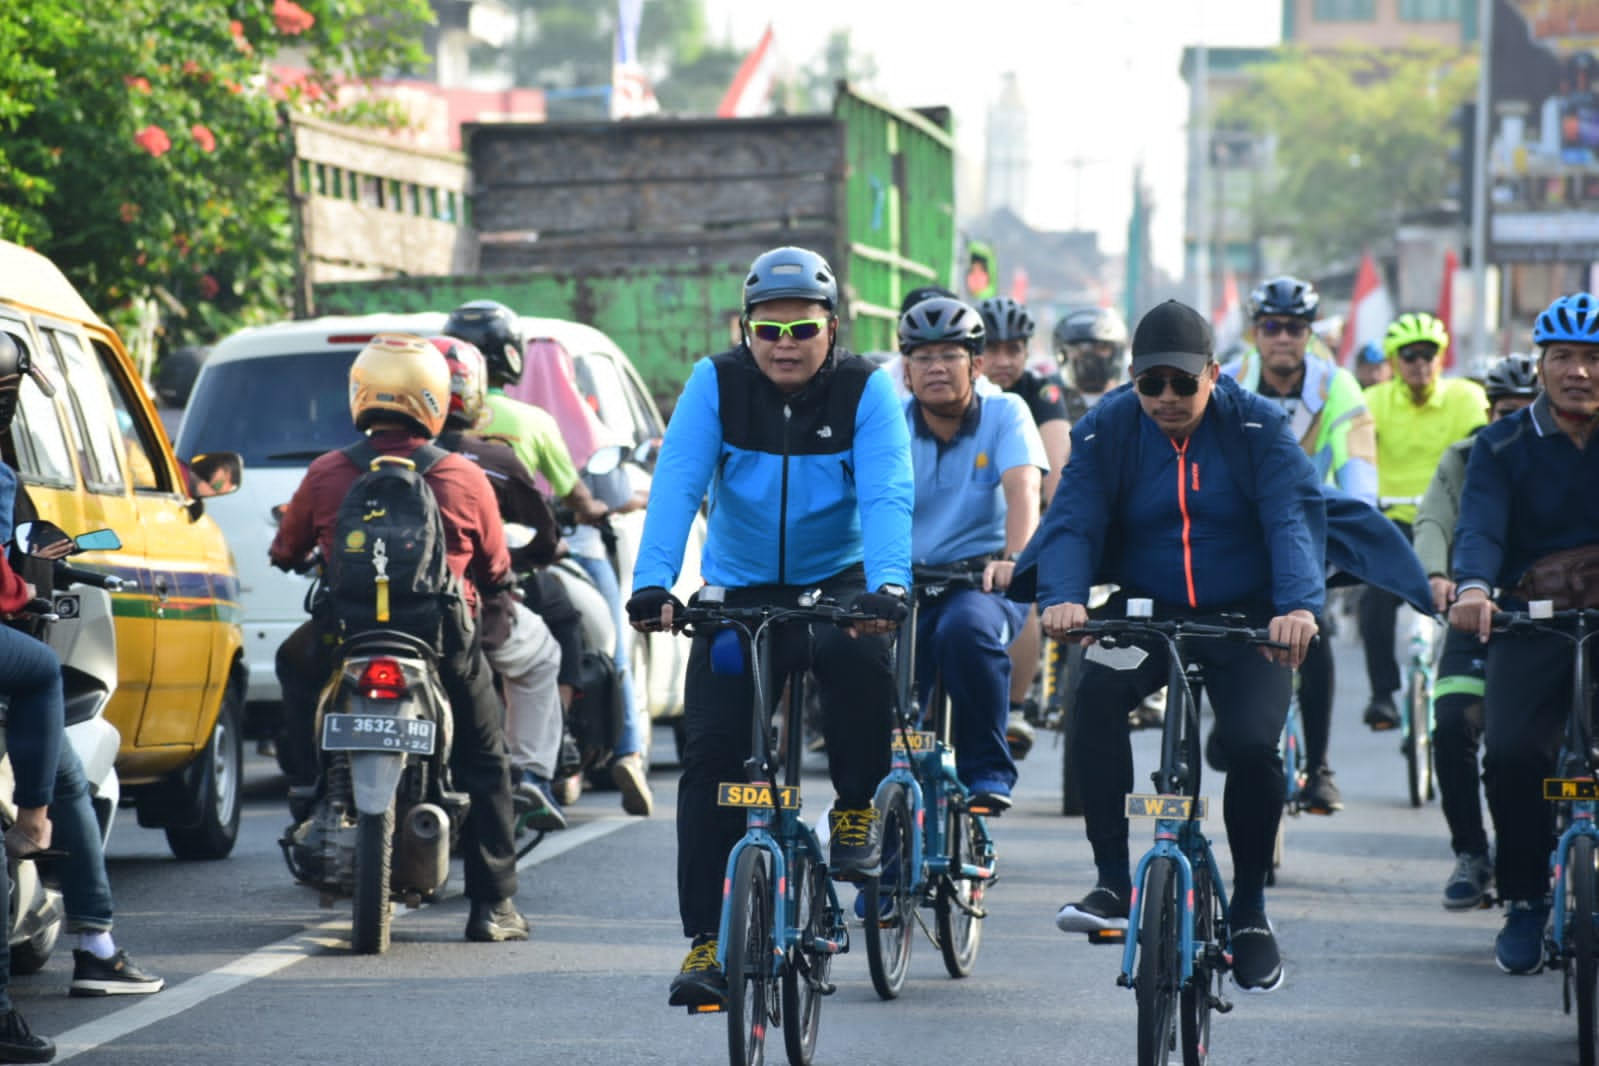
(1169, 807)
(917, 741)
(734, 795)
(1570, 788)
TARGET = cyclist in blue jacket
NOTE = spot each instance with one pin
(1191, 492)
(801, 451)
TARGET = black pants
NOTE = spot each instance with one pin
(479, 761)
(856, 678)
(1457, 712)
(1378, 608)
(1250, 697)
(1525, 708)
(1316, 698)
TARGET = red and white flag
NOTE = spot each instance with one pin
(1446, 307)
(1370, 311)
(1228, 320)
(751, 91)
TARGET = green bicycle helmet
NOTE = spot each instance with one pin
(1417, 327)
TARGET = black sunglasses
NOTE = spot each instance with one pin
(1429, 352)
(1294, 327)
(1154, 384)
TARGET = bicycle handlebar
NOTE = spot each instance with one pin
(757, 615)
(1109, 629)
(1555, 623)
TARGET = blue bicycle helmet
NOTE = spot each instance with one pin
(1574, 318)
(1370, 352)
(790, 273)
(1288, 296)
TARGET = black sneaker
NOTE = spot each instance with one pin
(1381, 714)
(1102, 909)
(1320, 794)
(857, 843)
(116, 976)
(701, 982)
(19, 1044)
(493, 922)
(1257, 964)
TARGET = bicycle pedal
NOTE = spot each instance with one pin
(826, 988)
(1107, 936)
(1221, 1004)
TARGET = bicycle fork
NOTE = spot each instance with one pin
(1174, 838)
(1582, 824)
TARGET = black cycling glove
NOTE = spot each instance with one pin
(645, 604)
(889, 606)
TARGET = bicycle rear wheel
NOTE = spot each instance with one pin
(749, 958)
(1200, 993)
(959, 902)
(1158, 965)
(806, 974)
(1418, 741)
(1583, 966)
(890, 918)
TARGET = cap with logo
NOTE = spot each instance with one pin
(1174, 335)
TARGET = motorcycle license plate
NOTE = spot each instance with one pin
(377, 732)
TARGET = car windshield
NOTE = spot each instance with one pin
(280, 410)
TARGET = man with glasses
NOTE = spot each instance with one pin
(1327, 414)
(1192, 492)
(802, 450)
(1419, 414)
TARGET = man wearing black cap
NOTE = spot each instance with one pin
(1190, 492)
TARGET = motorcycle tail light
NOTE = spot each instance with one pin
(382, 680)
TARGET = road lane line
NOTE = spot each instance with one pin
(264, 962)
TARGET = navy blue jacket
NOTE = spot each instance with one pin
(1233, 516)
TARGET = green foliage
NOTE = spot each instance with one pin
(1362, 138)
(815, 85)
(141, 142)
(697, 87)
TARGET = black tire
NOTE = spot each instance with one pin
(1068, 670)
(216, 787)
(374, 857)
(33, 954)
(808, 970)
(888, 942)
(1418, 744)
(1584, 966)
(749, 955)
(1198, 994)
(960, 932)
(1159, 968)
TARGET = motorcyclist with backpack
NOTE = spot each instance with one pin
(399, 396)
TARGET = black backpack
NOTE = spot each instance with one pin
(389, 568)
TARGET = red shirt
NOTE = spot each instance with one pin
(13, 589)
(474, 536)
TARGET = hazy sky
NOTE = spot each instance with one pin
(1100, 80)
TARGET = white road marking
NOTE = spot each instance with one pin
(264, 962)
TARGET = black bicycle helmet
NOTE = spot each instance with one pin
(1006, 320)
(790, 273)
(496, 331)
(941, 320)
(1098, 325)
(925, 292)
(1288, 296)
(14, 363)
(1514, 375)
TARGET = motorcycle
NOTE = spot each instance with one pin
(76, 621)
(383, 818)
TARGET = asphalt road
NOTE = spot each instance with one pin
(259, 973)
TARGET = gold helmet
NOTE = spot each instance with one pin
(403, 375)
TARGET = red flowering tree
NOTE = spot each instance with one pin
(142, 141)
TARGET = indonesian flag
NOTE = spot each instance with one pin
(631, 95)
(1228, 319)
(751, 91)
(1370, 311)
(1446, 306)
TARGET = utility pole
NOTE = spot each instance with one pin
(1199, 131)
(1479, 190)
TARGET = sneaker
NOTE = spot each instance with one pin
(1018, 733)
(1257, 964)
(856, 842)
(628, 772)
(1100, 910)
(568, 789)
(1519, 946)
(491, 923)
(19, 1044)
(1467, 888)
(701, 982)
(1381, 714)
(116, 976)
(1320, 793)
(533, 801)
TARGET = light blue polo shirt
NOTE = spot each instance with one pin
(960, 503)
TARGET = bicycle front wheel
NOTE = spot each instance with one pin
(1418, 742)
(1582, 966)
(1200, 993)
(890, 918)
(1159, 968)
(749, 958)
(959, 903)
(809, 966)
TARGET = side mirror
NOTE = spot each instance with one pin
(38, 537)
(604, 460)
(98, 540)
(645, 451)
(215, 474)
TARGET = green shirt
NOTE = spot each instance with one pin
(1411, 439)
(535, 436)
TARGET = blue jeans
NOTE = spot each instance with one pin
(965, 636)
(85, 888)
(31, 676)
(604, 578)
